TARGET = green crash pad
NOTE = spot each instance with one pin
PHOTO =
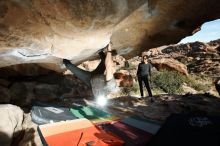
(92, 113)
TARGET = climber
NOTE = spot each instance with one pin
(103, 80)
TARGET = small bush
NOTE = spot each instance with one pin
(169, 81)
(129, 90)
(157, 91)
(195, 84)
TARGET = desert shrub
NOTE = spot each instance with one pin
(196, 84)
(168, 81)
(129, 90)
(157, 91)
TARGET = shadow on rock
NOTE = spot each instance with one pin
(5, 140)
(20, 138)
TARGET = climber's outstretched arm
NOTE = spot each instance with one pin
(110, 70)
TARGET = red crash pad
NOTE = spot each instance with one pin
(80, 132)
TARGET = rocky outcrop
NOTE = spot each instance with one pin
(169, 64)
(22, 84)
(202, 58)
(196, 57)
(42, 85)
(45, 31)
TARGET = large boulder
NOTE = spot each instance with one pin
(45, 31)
(170, 64)
(10, 123)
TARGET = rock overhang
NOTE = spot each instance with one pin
(45, 31)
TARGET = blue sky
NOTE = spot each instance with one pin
(209, 31)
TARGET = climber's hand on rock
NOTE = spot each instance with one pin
(66, 62)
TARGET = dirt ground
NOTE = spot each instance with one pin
(164, 105)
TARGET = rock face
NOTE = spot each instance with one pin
(199, 57)
(196, 57)
(44, 31)
(170, 64)
(40, 84)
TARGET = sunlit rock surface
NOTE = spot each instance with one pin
(45, 31)
(11, 123)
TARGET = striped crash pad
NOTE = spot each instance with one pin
(79, 132)
(43, 113)
(91, 113)
(143, 124)
(130, 135)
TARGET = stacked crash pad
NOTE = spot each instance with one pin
(79, 132)
(43, 113)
